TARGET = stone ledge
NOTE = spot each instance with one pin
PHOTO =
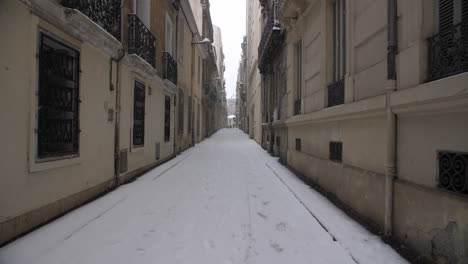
(76, 24)
(371, 107)
(445, 95)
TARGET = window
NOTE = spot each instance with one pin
(143, 8)
(298, 144)
(181, 111)
(169, 35)
(453, 174)
(336, 88)
(298, 59)
(190, 114)
(198, 120)
(336, 151)
(180, 41)
(450, 13)
(448, 50)
(167, 118)
(138, 114)
(58, 106)
(199, 69)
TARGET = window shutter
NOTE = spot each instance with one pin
(446, 15)
(465, 11)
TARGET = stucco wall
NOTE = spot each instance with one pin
(28, 183)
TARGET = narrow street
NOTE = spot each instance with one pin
(223, 201)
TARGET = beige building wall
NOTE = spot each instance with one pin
(253, 78)
(28, 184)
(431, 117)
(34, 191)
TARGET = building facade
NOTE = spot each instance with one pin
(368, 100)
(92, 93)
(252, 73)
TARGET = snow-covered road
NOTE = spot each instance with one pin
(223, 201)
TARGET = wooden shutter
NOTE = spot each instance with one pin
(446, 15)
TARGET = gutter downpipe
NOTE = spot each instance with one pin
(117, 115)
(390, 166)
(117, 101)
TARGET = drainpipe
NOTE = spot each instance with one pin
(390, 166)
(117, 115)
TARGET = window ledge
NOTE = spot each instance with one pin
(58, 162)
(374, 106)
(135, 149)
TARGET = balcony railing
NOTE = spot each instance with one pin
(336, 93)
(272, 38)
(105, 13)
(448, 52)
(141, 41)
(169, 70)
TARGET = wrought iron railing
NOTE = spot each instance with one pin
(105, 13)
(169, 70)
(297, 107)
(271, 36)
(336, 93)
(141, 41)
(448, 52)
(453, 172)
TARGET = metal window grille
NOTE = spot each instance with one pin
(336, 151)
(167, 118)
(139, 114)
(189, 114)
(298, 144)
(158, 151)
(336, 93)
(453, 172)
(58, 108)
(181, 111)
(448, 50)
(297, 102)
(336, 89)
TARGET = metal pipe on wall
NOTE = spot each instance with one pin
(390, 166)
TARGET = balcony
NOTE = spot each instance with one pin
(141, 41)
(272, 39)
(336, 93)
(448, 52)
(104, 13)
(169, 70)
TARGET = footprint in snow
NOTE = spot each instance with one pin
(140, 251)
(266, 203)
(276, 247)
(262, 215)
(281, 227)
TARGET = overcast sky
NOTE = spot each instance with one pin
(229, 15)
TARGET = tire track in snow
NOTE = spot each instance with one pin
(311, 213)
(94, 218)
(172, 166)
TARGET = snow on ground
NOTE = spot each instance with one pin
(224, 201)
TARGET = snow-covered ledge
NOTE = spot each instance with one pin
(139, 66)
(169, 86)
(76, 24)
